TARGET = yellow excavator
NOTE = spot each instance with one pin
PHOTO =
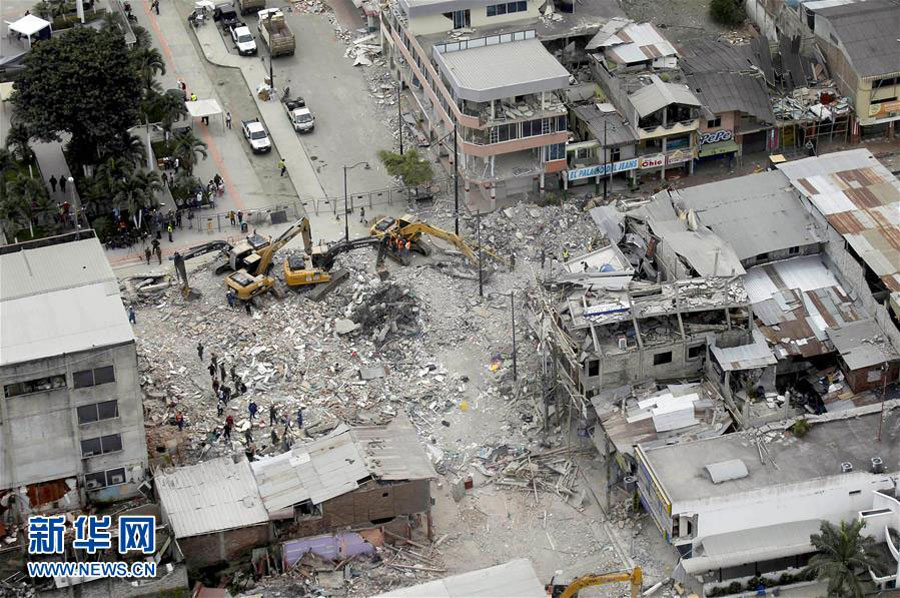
(409, 228)
(571, 590)
(254, 278)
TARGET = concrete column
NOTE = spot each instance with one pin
(541, 183)
(662, 172)
(493, 197)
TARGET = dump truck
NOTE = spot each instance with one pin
(248, 6)
(275, 32)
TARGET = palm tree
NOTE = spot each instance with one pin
(111, 171)
(17, 139)
(24, 199)
(186, 147)
(150, 63)
(172, 109)
(127, 146)
(7, 160)
(136, 192)
(842, 554)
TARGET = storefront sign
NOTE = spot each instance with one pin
(714, 149)
(654, 161)
(716, 136)
(884, 108)
(603, 169)
(678, 156)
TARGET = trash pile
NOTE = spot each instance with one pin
(392, 309)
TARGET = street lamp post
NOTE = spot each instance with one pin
(400, 112)
(346, 209)
(71, 182)
(455, 184)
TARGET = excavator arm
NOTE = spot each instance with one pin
(301, 227)
(635, 578)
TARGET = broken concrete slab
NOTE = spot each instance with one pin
(344, 326)
(372, 373)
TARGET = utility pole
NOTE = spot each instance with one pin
(512, 306)
(455, 184)
(605, 174)
(480, 279)
(400, 112)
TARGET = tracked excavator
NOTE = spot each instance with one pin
(410, 228)
(254, 278)
(559, 590)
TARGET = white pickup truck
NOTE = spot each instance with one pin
(243, 40)
(299, 114)
(256, 135)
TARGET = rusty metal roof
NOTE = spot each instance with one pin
(860, 198)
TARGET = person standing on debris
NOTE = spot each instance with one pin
(170, 232)
(222, 370)
(565, 254)
(233, 218)
(200, 351)
(179, 421)
(247, 307)
(132, 318)
(229, 296)
(243, 387)
(248, 436)
(148, 254)
(286, 440)
(252, 408)
(220, 408)
(215, 384)
(273, 414)
(240, 216)
(282, 166)
(300, 418)
(274, 437)
(159, 254)
(233, 372)
(226, 393)
(229, 424)
(512, 262)
(214, 360)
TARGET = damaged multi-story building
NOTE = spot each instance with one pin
(71, 418)
(481, 72)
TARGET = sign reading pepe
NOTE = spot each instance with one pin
(603, 169)
(716, 136)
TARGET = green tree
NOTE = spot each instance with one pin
(17, 142)
(149, 63)
(127, 146)
(110, 172)
(83, 82)
(7, 160)
(188, 149)
(727, 12)
(25, 198)
(843, 552)
(136, 191)
(409, 167)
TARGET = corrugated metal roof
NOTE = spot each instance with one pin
(707, 55)
(868, 32)
(861, 344)
(502, 70)
(756, 214)
(745, 357)
(53, 268)
(316, 471)
(57, 299)
(860, 198)
(393, 452)
(636, 42)
(616, 131)
(723, 92)
(659, 94)
(515, 579)
(209, 497)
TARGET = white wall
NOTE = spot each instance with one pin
(824, 498)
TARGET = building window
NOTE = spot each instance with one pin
(615, 154)
(562, 123)
(556, 151)
(531, 128)
(36, 385)
(98, 412)
(714, 123)
(696, 352)
(662, 358)
(94, 377)
(593, 368)
(494, 10)
(794, 250)
(102, 479)
(101, 445)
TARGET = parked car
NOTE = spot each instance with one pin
(299, 114)
(256, 135)
(226, 15)
(243, 40)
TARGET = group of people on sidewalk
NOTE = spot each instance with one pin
(223, 393)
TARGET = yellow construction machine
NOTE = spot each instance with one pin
(409, 228)
(254, 278)
(571, 590)
(315, 267)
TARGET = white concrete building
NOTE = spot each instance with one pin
(746, 503)
(71, 418)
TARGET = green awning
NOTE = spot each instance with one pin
(720, 147)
